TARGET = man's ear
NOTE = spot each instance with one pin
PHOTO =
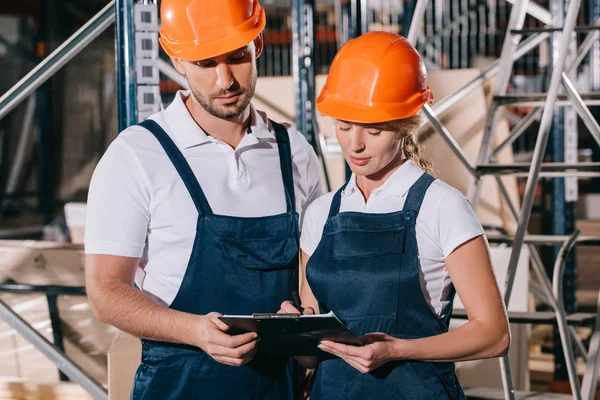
(258, 44)
(178, 64)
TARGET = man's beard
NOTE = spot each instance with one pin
(228, 111)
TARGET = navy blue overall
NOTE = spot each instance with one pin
(366, 270)
(237, 266)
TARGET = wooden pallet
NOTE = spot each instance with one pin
(38, 391)
(498, 394)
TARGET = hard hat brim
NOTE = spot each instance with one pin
(341, 110)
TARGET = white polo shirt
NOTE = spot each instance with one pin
(138, 206)
(445, 221)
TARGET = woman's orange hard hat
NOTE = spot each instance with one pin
(377, 77)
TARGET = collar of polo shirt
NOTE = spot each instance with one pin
(186, 132)
(398, 184)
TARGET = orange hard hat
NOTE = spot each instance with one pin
(377, 77)
(199, 29)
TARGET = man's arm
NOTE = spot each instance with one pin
(114, 300)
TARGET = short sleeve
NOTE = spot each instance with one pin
(118, 204)
(308, 169)
(457, 222)
(313, 177)
(314, 222)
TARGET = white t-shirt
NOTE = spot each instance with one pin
(138, 206)
(445, 221)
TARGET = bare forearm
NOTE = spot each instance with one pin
(473, 340)
(134, 312)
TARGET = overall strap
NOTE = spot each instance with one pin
(334, 209)
(417, 193)
(181, 165)
(285, 162)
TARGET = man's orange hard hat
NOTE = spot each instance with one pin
(377, 77)
(199, 29)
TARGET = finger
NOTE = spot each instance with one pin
(238, 352)
(355, 351)
(355, 364)
(235, 341)
(214, 318)
(374, 337)
(287, 307)
(360, 368)
(357, 360)
(234, 362)
(309, 311)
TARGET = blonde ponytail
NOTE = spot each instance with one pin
(411, 150)
(410, 146)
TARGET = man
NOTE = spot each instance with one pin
(199, 207)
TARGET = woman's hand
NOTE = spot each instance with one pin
(379, 349)
(287, 307)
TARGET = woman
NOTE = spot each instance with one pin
(386, 252)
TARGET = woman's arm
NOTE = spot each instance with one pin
(309, 304)
(306, 294)
(485, 335)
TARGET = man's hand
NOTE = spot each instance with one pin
(379, 349)
(233, 350)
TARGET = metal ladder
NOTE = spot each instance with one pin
(512, 49)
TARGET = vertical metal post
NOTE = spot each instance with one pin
(344, 22)
(44, 150)
(594, 68)
(563, 211)
(594, 56)
(57, 332)
(408, 20)
(45, 140)
(563, 328)
(356, 17)
(304, 76)
(364, 16)
(126, 75)
(303, 41)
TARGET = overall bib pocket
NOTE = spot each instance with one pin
(342, 244)
(262, 253)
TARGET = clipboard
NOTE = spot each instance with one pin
(292, 334)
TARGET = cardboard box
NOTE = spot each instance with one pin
(86, 339)
(42, 263)
(124, 357)
(590, 203)
(75, 215)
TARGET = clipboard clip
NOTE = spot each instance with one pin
(275, 316)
